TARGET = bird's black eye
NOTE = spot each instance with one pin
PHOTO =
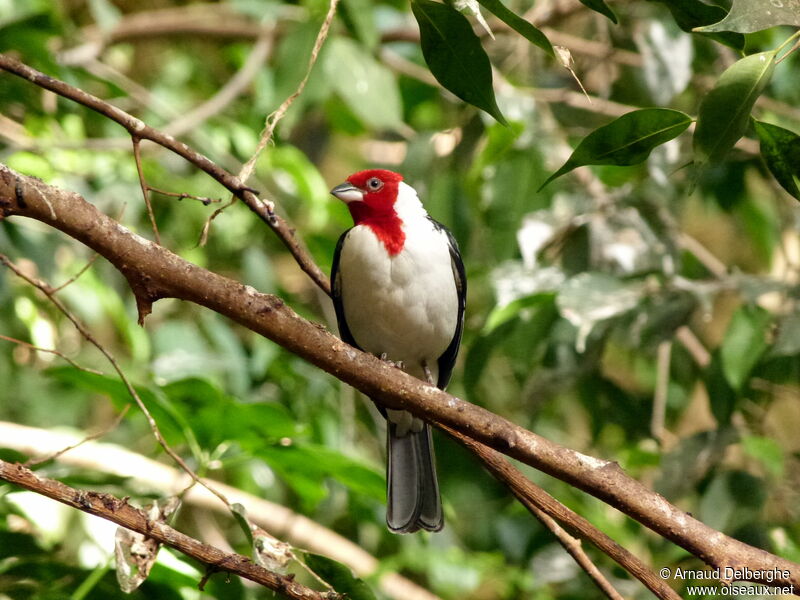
(374, 184)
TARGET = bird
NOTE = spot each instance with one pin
(399, 292)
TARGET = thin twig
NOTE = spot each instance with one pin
(83, 270)
(91, 437)
(789, 52)
(574, 548)
(137, 128)
(269, 128)
(794, 37)
(142, 94)
(119, 511)
(274, 118)
(409, 68)
(207, 225)
(594, 48)
(149, 474)
(51, 351)
(537, 501)
(89, 337)
(714, 265)
(184, 196)
(88, 264)
(694, 346)
(660, 394)
(137, 155)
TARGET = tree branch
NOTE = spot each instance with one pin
(52, 351)
(154, 272)
(544, 507)
(120, 512)
(280, 521)
(139, 130)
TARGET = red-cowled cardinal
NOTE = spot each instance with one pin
(399, 292)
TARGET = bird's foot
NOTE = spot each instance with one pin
(428, 374)
(399, 364)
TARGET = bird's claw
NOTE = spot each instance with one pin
(428, 374)
(398, 364)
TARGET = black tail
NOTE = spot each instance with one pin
(413, 500)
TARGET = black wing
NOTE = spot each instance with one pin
(336, 295)
(448, 359)
(338, 306)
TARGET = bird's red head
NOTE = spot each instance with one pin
(370, 196)
(370, 193)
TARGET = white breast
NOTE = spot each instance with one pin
(405, 305)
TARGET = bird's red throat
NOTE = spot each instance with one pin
(387, 227)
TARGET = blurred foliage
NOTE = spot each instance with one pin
(572, 289)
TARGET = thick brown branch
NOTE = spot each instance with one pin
(120, 512)
(139, 130)
(165, 480)
(156, 272)
(539, 502)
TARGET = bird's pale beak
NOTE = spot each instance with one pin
(347, 192)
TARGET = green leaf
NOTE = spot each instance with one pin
(240, 515)
(367, 87)
(28, 32)
(32, 164)
(592, 297)
(731, 499)
(718, 505)
(295, 48)
(100, 384)
(627, 140)
(13, 12)
(747, 16)
(601, 7)
(761, 223)
(174, 425)
(306, 467)
(725, 111)
(518, 24)
(781, 151)
(339, 577)
(690, 14)
(767, 451)
(744, 343)
(721, 395)
(661, 314)
(16, 544)
(524, 306)
(217, 417)
(477, 358)
(359, 17)
(303, 180)
(527, 319)
(455, 56)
